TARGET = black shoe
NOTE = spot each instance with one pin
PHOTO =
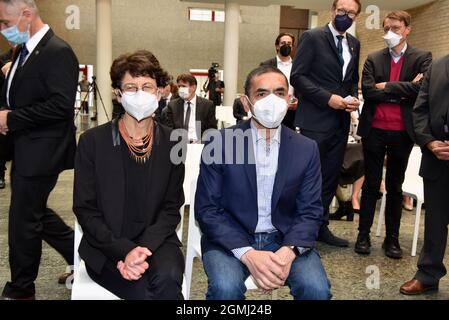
(392, 248)
(327, 237)
(2, 183)
(344, 210)
(363, 244)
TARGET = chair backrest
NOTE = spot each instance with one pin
(194, 233)
(192, 165)
(225, 114)
(78, 237)
(412, 181)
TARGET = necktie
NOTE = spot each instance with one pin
(340, 49)
(187, 120)
(23, 54)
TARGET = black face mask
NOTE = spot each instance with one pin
(285, 50)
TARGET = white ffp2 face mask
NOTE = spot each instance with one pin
(270, 111)
(140, 105)
(392, 39)
(184, 93)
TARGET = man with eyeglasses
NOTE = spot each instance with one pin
(325, 76)
(39, 97)
(391, 82)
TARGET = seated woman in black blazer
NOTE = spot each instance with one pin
(128, 193)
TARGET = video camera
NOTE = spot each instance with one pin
(213, 69)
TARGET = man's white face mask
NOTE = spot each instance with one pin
(270, 111)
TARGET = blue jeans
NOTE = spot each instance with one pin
(227, 275)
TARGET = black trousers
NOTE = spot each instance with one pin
(2, 168)
(30, 222)
(430, 265)
(332, 146)
(396, 145)
(162, 280)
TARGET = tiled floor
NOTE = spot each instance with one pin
(347, 271)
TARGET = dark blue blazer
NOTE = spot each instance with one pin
(317, 74)
(226, 197)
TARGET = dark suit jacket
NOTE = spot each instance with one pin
(270, 62)
(226, 197)
(317, 74)
(204, 112)
(404, 92)
(42, 97)
(99, 196)
(430, 113)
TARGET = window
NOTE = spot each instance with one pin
(201, 14)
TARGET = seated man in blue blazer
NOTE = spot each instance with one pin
(260, 216)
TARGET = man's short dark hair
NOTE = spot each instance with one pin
(258, 72)
(283, 34)
(187, 77)
(399, 15)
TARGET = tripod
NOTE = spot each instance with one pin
(97, 92)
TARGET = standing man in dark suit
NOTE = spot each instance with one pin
(40, 95)
(431, 121)
(190, 112)
(391, 82)
(261, 216)
(283, 61)
(325, 76)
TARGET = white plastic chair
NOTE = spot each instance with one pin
(225, 115)
(84, 288)
(192, 168)
(413, 187)
(194, 249)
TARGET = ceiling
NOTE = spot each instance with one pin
(325, 4)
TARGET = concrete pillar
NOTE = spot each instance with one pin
(231, 51)
(104, 59)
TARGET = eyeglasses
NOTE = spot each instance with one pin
(131, 88)
(351, 14)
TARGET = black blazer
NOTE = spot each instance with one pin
(204, 112)
(42, 97)
(270, 62)
(430, 113)
(317, 74)
(404, 92)
(99, 196)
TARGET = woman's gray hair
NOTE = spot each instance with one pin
(28, 3)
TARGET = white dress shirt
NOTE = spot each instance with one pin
(346, 52)
(286, 68)
(192, 135)
(31, 45)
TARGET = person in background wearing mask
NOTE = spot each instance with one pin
(325, 74)
(39, 97)
(283, 61)
(127, 192)
(261, 218)
(190, 112)
(391, 82)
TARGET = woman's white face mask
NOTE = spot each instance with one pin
(140, 105)
(269, 111)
